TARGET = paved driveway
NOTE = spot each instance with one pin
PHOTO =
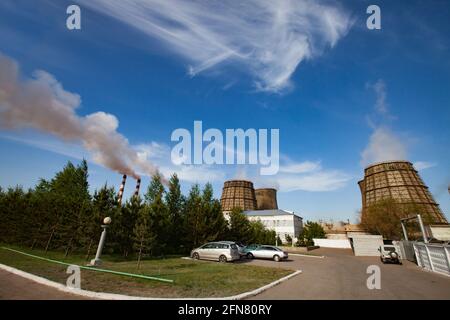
(14, 287)
(340, 275)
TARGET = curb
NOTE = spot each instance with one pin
(306, 255)
(114, 296)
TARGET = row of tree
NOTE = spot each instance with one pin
(61, 214)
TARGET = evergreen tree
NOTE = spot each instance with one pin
(126, 223)
(239, 226)
(175, 206)
(159, 219)
(143, 237)
(70, 192)
(193, 221)
(215, 225)
(311, 230)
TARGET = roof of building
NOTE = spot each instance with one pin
(272, 212)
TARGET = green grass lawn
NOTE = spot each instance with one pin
(191, 278)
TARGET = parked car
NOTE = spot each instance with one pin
(388, 254)
(218, 251)
(249, 248)
(267, 252)
(239, 245)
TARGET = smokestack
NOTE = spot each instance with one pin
(138, 186)
(122, 187)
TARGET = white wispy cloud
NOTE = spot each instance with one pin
(269, 39)
(50, 144)
(304, 176)
(301, 167)
(292, 176)
(327, 180)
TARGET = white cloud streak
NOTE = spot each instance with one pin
(315, 182)
(268, 38)
(301, 167)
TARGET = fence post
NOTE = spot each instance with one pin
(429, 257)
(447, 255)
(418, 255)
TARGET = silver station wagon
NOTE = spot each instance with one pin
(218, 251)
(267, 252)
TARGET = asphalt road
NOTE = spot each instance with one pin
(14, 287)
(340, 275)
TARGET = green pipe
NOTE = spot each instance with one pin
(133, 275)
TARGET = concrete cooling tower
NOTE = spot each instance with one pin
(400, 181)
(266, 199)
(238, 193)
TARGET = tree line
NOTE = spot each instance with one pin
(61, 214)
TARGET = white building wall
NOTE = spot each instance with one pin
(282, 224)
(333, 243)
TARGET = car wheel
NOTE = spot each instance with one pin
(196, 256)
(222, 259)
(250, 256)
(276, 258)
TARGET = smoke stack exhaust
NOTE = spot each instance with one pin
(138, 186)
(122, 187)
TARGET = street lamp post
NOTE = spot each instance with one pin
(105, 225)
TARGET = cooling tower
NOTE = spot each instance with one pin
(238, 194)
(400, 181)
(266, 199)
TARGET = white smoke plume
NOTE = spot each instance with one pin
(384, 144)
(41, 103)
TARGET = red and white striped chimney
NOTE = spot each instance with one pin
(122, 187)
(138, 186)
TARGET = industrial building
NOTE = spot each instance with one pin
(262, 205)
(400, 181)
(281, 221)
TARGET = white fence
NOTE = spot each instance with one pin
(333, 243)
(433, 257)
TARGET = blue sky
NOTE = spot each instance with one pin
(341, 95)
